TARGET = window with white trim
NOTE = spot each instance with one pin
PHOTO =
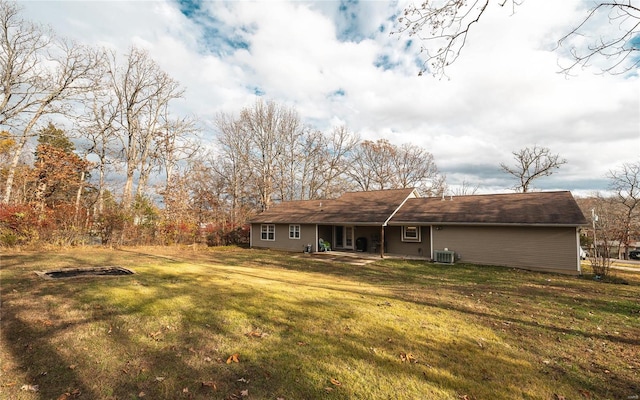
(267, 232)
(411, 234)
(294, 231)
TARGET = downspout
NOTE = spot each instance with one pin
(578, 251)
(250, 236)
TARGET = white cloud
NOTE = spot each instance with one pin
(505, 91)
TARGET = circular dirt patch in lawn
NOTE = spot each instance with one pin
(88, 271)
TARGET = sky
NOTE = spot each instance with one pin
(336, 63)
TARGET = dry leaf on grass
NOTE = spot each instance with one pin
(244, 393)
(335, 382)
(30, 388)
(256, 334)
(67, 395)
(407, 357)
(586, 394)
(328, 389)
(210, 384)
(233, 358)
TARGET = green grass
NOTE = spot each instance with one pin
(305, 328)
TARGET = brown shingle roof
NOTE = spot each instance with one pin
(363, 208)
(532, 208)
(375, 207)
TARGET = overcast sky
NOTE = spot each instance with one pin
(336, 64)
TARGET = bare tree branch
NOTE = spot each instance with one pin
(531, 164)
(615, 49)
(444, 26)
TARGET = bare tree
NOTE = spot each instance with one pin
(603, 227)
(531, 164)
(370, 165)
(40, 75)
(625, 183)
(443, 27)
(98, 126)
(175, 142)
(232, 164)
(466, 189)
(416, 167)
(144, 92)
(270, 128)
(326, 160)
(382, 165)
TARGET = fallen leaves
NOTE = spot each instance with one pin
(69, 395)
(157, 336)
(210, 384)
(256, 333)
(30, 388)
(238, 395)
(408, 357)
(234, 358)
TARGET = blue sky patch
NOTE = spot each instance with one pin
(217, 36)
(338, 93)
(348, 23)
(384, 62)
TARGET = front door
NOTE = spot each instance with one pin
(344, 237)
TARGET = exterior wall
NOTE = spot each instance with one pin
(395, 245)
(541, 249)
(282, 241)
(371, 233)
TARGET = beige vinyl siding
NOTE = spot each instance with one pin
(535, 248)
(395, 245)
(282, 241)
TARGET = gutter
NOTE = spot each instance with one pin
(504, 224)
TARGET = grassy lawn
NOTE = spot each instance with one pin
(249, 324)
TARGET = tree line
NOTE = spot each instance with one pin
(171, 186)
(126, 170)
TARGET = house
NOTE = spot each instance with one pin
(535, 230)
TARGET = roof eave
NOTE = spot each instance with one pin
(503, 224)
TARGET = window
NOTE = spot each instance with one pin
(294, 231)
(268, 232)
(411, 234)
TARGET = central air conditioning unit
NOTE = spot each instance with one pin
(444, 256)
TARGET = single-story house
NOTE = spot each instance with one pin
(534, 230)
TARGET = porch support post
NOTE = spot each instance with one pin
(382, 241)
